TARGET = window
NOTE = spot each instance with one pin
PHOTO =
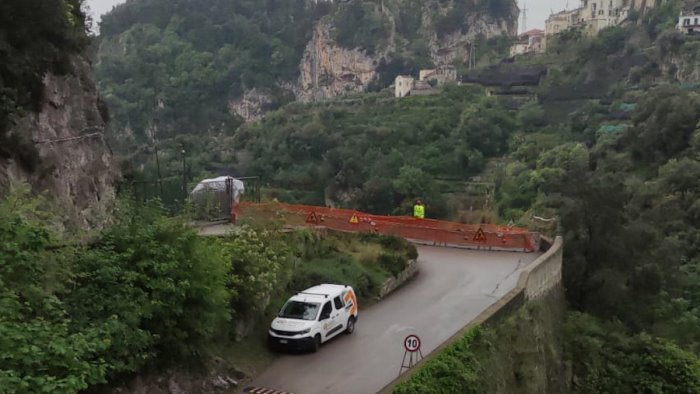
(338, 303)
(696, 21)
(326, 311)
(299, 310)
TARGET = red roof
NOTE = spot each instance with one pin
(533, 32)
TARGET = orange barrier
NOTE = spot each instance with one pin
(435, 232)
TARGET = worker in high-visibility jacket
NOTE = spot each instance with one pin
(419, 210)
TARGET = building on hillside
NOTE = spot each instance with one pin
(528, 42)
(441, 75)
(689, 21)
(592, 16)
(422, 88)
(596, 15)
(403, 85)
(562, 21)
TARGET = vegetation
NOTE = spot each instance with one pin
(455, 370)
(620, 175)
(171, 68)
(525, 352)
(352, 147)
(149, 292)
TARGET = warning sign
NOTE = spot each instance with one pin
(312, 218)
(479, 236)
(354, 219)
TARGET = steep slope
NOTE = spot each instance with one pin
(205, 66)
(52, 125)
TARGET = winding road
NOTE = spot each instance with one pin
(451, 289)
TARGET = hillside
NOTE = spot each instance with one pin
(51, 118)
(611, 154)
(203, 67)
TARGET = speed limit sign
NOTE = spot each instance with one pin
(411, 343)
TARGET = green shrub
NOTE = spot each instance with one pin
(40, 351)
(456, 370)
(392, 262)
(609, 360)
(153, 286)
(336, 269)
(258, 263)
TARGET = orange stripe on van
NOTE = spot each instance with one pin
(350, 295)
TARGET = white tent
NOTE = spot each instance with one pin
(215, 185)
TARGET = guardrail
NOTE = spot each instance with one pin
(435, 232)
(538, 278)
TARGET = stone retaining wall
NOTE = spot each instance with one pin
(392, 283)
(538, 279)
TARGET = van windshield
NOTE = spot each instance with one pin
(299, 310)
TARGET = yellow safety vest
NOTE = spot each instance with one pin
(419, 211)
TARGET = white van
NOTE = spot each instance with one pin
(314, 316)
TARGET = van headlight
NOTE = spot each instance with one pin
(308, 330)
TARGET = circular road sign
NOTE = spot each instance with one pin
(411, 343)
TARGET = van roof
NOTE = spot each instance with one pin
(319, 293)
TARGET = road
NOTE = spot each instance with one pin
(451, 289)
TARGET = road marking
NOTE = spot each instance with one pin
(262, 390)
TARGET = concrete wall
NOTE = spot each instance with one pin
(392, 283)
(537, 280)
(544, 273)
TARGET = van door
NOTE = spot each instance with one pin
(326, 320)
(338, 317)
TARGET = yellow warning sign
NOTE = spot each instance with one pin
(354, 219)
(479, 236)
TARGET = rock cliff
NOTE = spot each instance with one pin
(329, 69)
(74, 165)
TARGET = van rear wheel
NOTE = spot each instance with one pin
(350, 327)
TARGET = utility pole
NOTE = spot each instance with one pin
(472, 55)
(155, 147)
(184, 174)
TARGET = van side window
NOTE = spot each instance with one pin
(338, 302)
(326, 311)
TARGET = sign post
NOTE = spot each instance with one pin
(411, 345)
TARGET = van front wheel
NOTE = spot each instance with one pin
(316, 344)
(350, 327)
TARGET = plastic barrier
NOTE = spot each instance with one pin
(435, 232)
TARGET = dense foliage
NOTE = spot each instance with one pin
(609, 361)
(172, 68)
(174, 65)
(621, 176)
(36, 36)
(150, 292)
(347, 151)
(455, 370)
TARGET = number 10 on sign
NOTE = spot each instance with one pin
(411, 345)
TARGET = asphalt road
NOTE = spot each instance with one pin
(452, 288)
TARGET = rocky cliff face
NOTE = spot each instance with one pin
(329, 70)
(251, 106)
(456, 47)
(75, 169)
